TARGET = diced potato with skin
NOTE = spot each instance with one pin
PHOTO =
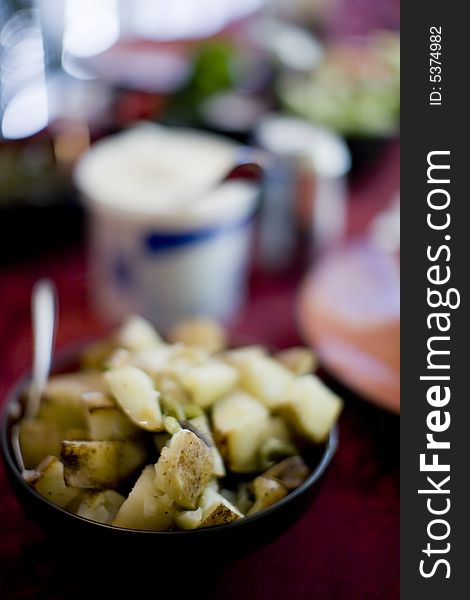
(184, 469)
(291, 472)
(65, 413)
(49, 482)
(132, 458)
(97, 399)
(238, 356)
(183, 358)
(207, 383)
(146, 507)
(120, 358)
(92, 465)
(229, 495)
(300, 360)
(240, 425)
(63, 403)
(273, 449)
(188, 519)
(138, 334)
(279, 429)
(201, 423)
(135, 393)
(38, 439)
(161, 440)
(110, 424)
(217, 510)
(266, 379)
(96, 355)
(312, 408)
(100, 506)
(244, 497)
(76, 434)
(72, 386)
(153, 361)
(201, 332)
(267, 492)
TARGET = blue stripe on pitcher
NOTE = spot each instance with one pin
(158, 242)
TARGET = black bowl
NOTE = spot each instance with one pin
(238, 538)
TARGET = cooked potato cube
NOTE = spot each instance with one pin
(207, 383)
(201, 332)
(239, 355)
(72, 386)
(244, 496)
(279, 429)
(146, 507)
(138, 334)
(184, 468)
(240, 427)
(229, 495)
(291, 472)
(217, 510)
(92, 465)
(38, 439)
(49, 482)
(76, 433)
(273, 449)
(267, 492)
(161, 440)
(96, 355)
(153, 361)
(299, 360)
(65, 413)
(132, 458)
(136, 395)
(100, 506)
(63, 403)
(201, 424)
(97, 399)
(188, 519)
(184, 358)
(312, 408)
(107, 424)
(266, 379)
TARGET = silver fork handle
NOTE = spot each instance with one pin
(43, 312)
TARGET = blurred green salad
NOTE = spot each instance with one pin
(355, 90)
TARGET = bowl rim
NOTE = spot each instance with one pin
(11, 405)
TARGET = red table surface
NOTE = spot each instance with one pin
(345, 547)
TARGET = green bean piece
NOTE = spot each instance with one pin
(171, 425)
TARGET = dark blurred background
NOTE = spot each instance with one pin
(75, 71)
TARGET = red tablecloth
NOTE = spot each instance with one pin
(347, 544)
